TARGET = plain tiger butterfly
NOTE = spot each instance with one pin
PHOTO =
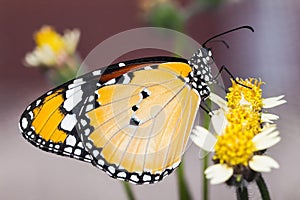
(131, 119)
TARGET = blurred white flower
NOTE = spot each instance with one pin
(52, 49)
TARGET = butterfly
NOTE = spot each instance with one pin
(131, 119)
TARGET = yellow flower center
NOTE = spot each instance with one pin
(48, 36)
(240, 95)
(246, 118)
(235, 146)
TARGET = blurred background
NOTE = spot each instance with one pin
(272, 53)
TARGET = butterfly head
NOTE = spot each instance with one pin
(200, 76)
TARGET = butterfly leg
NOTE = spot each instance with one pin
(206, 108)
(224, 68)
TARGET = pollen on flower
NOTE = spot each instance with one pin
(249, 120)
(48, 36)
(235, 146)
(240, 95)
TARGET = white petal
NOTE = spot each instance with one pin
(219, 121)
(267, 129)
(203, 138)
(266, 138)
(46, 55)
(262, 163)
(71, 39)
(267, 117)
(31, 60)
(218, 100)
(218, 173)
(273, 101)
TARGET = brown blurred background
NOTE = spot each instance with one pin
(271, 53)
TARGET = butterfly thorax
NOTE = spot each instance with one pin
(200, 77)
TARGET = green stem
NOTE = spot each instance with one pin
(184, 193)
(205, 194)
(263, 188)
(128, 190)
(242, 193)
(205, 161)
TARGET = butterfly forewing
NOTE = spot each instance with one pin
(49, 122)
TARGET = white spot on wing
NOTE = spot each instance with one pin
(122, 175)
(111, 169)
(126, 79)
(122, 65)
(110, 82)
(72, 101)
(76, 83)
(68, 149)
(89, 107)
(146, 178)
(31, 114)
(95, 153)
(38, 102)
(77, 152)
(71, 140)
(89, 145)
(72, 91)
(175, 165)
(80, 145)
(134, 178)
(97, 72)
(148, 68)
(68, 122)
(24, 123)
(87, 131)
(83, 122)
(91, 98)
(101, 162)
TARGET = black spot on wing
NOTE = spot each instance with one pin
(134, 108)
(144, 94)
(134, 122)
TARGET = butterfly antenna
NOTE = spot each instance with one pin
(222, 41)
(226, 32)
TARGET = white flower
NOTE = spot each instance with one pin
(52, 48)
(240, 138)
(220, 173)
